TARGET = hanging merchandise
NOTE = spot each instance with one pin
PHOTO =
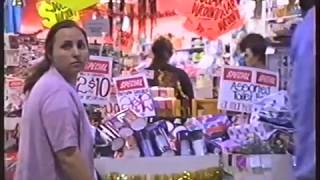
(13, 15)
(142, 8)
(131, 15)
(122, 11)
(153, 14)
(110, 15)
(126, 41)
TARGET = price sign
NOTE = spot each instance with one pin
(134, 93)
(94, 83)
(12, 57)
(240, 87)
(95, 28)
(111, 107)
(13, 93)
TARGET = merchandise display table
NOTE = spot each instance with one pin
(164, 168)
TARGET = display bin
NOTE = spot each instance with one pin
(259, 167)
(161, 168)
(202, 107)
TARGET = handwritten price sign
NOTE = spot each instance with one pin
(133, 93)
(94, 83)
(13, 92)
(240, 87)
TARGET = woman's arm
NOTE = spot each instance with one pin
(61, 123)
(73, 164)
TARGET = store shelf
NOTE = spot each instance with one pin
(191, 50)
(275, 19)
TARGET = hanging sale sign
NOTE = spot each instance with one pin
(240, 87)
(52, 12)
(211, 18)
(79, 4)
(94, 83)
(133, 93)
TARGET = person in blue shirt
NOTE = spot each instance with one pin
(302, 94)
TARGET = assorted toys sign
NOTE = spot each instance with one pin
(94, 83)
(133, 93)
(240, 87)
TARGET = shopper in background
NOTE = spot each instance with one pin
(303, 93)
(166, 75)
(238, 54)
(254, 47)
(56, 141)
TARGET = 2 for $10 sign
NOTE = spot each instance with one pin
(94, 82)
(240, 87)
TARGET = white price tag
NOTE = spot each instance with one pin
(254, 161)
(266, 162)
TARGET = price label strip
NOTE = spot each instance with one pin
(255, 164)
(94, 83)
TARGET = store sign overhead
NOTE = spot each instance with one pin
(53, 12)
(78, 5)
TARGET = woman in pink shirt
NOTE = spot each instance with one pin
(56, 141)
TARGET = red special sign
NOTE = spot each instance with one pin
(130, 84)
(94, 66)
(15, 84)
(237, 75)
(266, 79)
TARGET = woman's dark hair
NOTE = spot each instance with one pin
(39, 69)
(256, 43)
(162, 50)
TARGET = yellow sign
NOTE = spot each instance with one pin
(53, 12)
(78, 5)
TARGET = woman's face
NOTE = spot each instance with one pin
(70, 51)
